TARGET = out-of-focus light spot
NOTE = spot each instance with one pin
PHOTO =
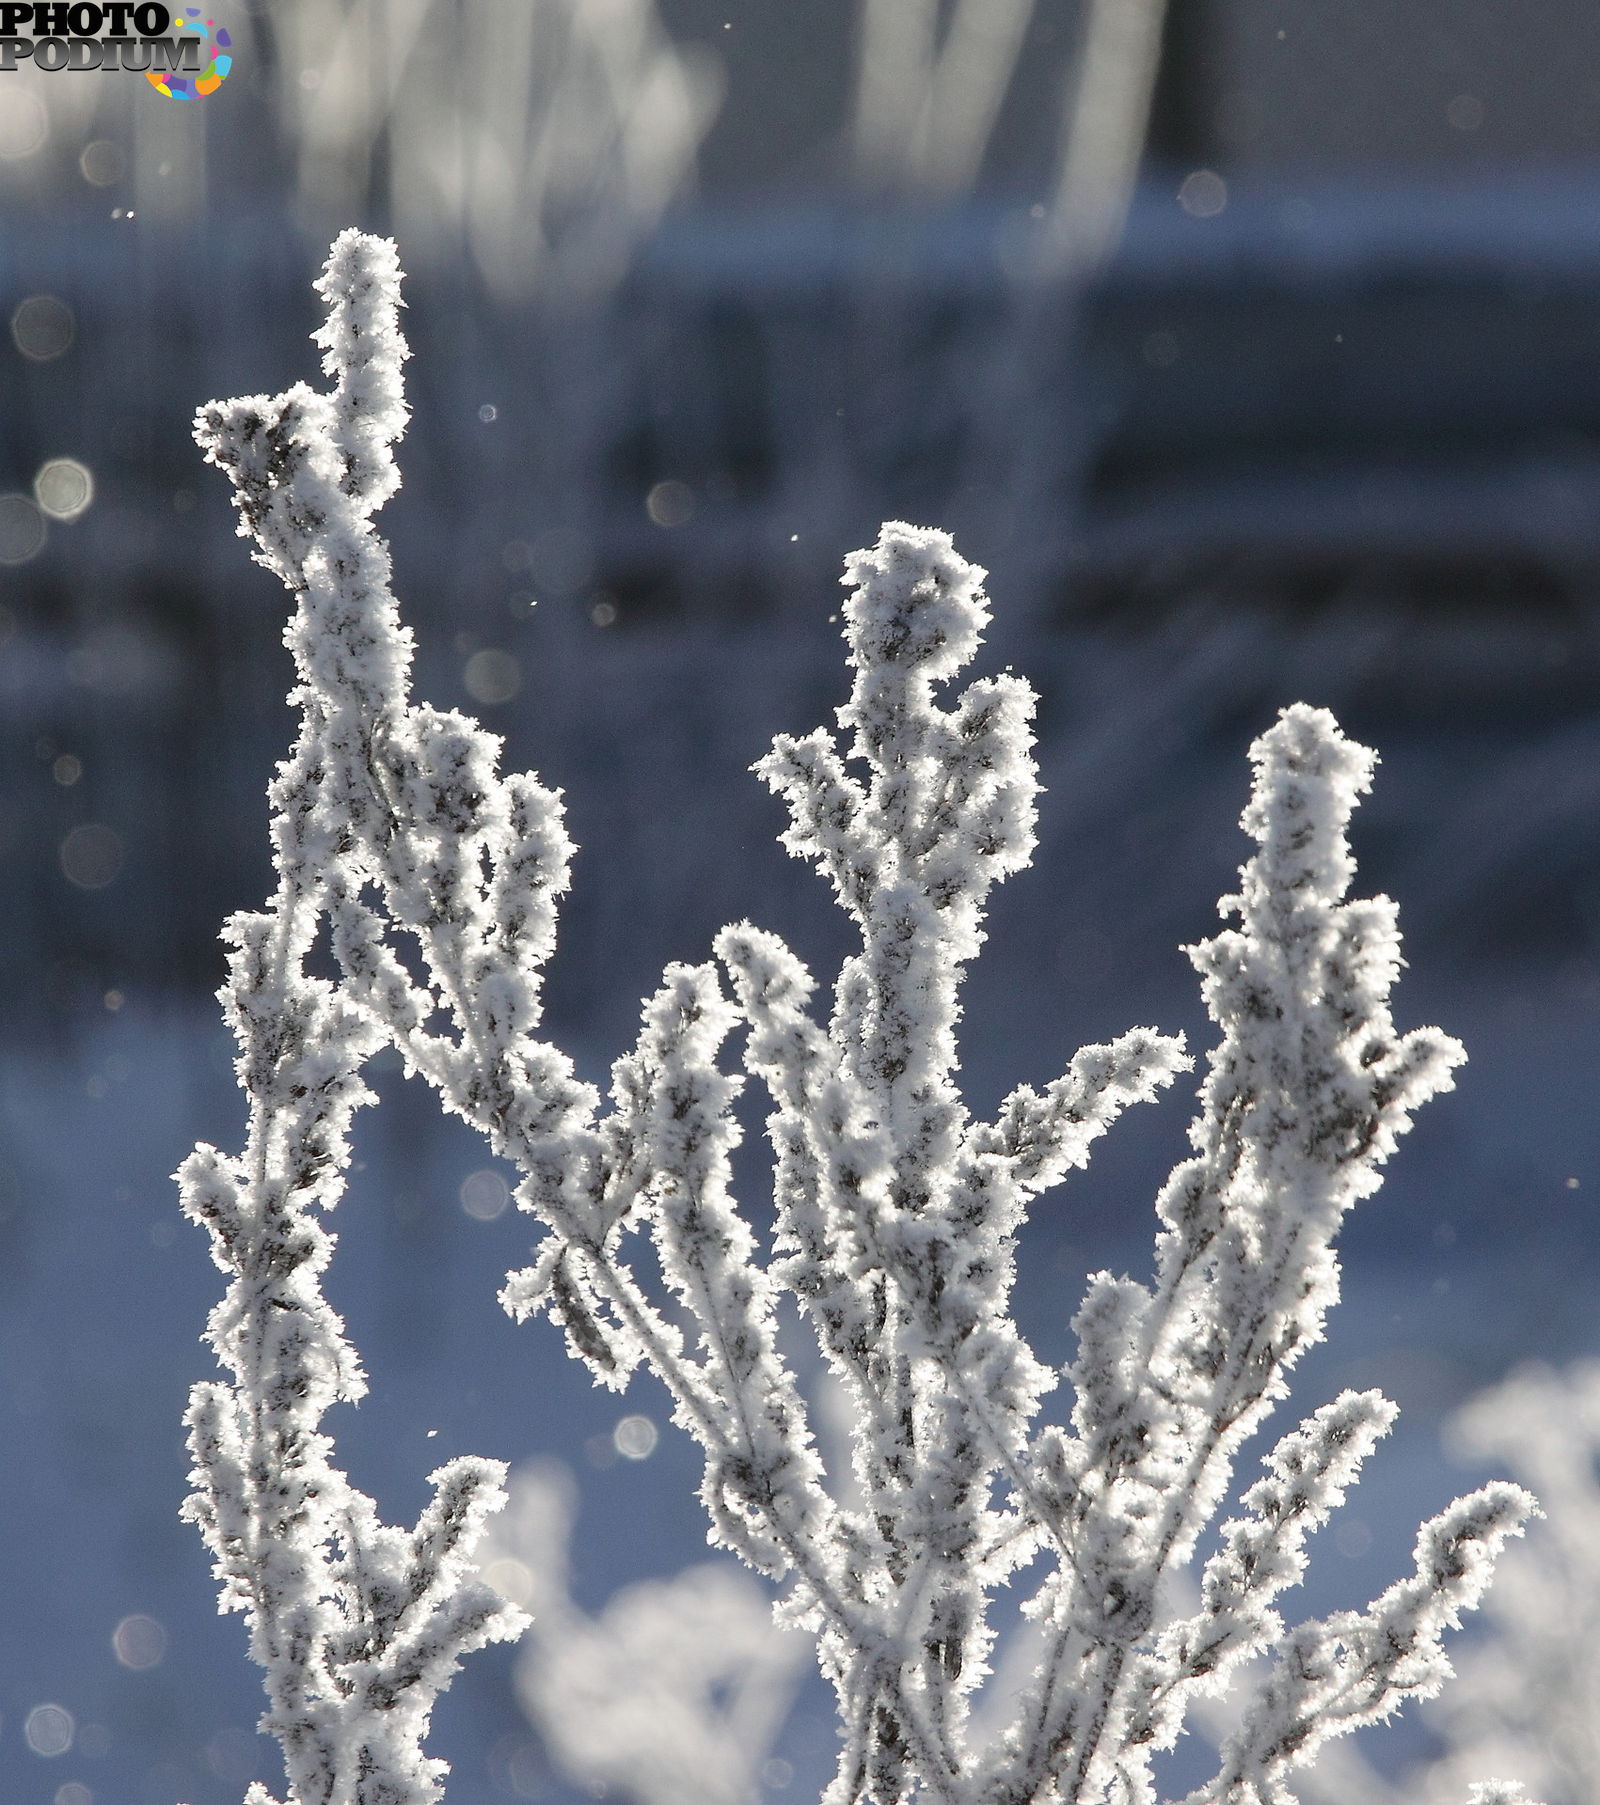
(484, 1195)
(21, 529)
(561, 560)
(231, 1756)
(94, 1740)
(74, 1793)
(511, 1579)
(161, 1234)
(1352, 1539)
(525, 1771)
(63, 488)
(114, 999)
(1160, 349)
(24, 124)
(1465, 112)
(92, 856)
(488, 413)
(1203, 194)
(635, 1438)
(1572, 1184)
(67, 770)
(776, 1773)
(47, 1730)
(95, 1086)
(43, 327)
(102, 163)
(139, 1642)
(520, 1768)
(670, 503)
(603, 611)
(492, 676)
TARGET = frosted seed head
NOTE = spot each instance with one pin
(917, 605)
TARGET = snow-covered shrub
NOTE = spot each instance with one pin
(896, 1212)
(1526, 1698)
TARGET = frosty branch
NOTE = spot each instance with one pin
(1524, 1700)
(358, 1625)
(896, 1211)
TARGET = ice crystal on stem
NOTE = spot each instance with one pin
(896, 1213)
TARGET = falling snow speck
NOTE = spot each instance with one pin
(635, 1438)
(48, 1729)
(63, 488)
(140, 1642)
(670, 504)
(484, 1196)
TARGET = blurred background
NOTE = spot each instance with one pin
(1255, 350)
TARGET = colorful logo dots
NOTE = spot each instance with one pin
(216, 59)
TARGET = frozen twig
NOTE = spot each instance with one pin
(358, 1625)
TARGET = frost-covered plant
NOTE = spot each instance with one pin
(896, 1216)
(1527, 1696)
(896, 1212)
(542, 137)
(672, 1694)
(931, 81)
(358, 1625)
